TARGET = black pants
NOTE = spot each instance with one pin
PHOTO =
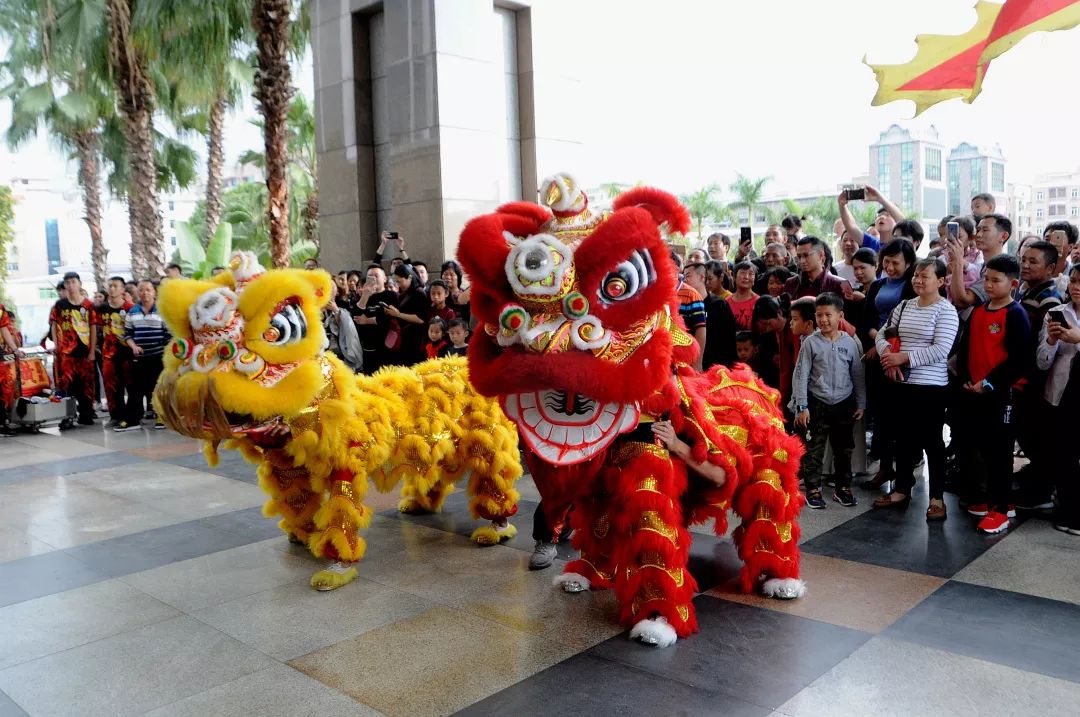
(544, 530)
(144, 375)
(882, 396)
(1066, 464)
(917, 417)
(829, 424)
(985, 434)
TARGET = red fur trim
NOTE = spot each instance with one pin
(612, 243)
(495, 371)
(534, 213)
(663, 207)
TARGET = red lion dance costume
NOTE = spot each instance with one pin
(581, 340)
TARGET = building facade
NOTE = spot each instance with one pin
(429, 112)
(975, 170)
(1055, 197)
(906, 167)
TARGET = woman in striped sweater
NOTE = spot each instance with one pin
(927, 325)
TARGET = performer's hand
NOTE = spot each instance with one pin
(859, 413)
(803, 419)
(137, 350)
(666, 433)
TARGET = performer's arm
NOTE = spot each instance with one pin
(681, 450)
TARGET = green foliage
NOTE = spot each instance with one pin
(7, 235)
(701, 205)
(196, 261)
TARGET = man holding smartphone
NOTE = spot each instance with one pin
(372, 323)
(887, 216)
(1063, 236)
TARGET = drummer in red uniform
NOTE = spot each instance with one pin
(72, 322)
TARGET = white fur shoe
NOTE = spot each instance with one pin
(783, 588)
(655, 633)
(572, 582)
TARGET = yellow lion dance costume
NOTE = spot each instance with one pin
(247, 367)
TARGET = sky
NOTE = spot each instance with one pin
(689, 92)
(684, 93)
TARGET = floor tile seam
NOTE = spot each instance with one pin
(14, 702)
(667, 678)
(1066, 603)
(237, 640)
(977, 658)
(244, 677)
(97, 639)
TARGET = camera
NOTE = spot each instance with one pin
(855, 193)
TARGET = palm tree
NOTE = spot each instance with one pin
(302, 168)
(701, 205)
(131, 73)
(273, 93)
(749, 193)
(58, 44)
(205, 59)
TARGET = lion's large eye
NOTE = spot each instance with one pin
(629, 278)
(287, 326)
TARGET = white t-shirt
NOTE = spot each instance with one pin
(927, 335)
(845, 271)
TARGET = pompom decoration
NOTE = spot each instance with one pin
(575, 305)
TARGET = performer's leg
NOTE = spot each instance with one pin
(492, 495)
(84, 386)
(338, 522)
(594, 538)
(652, 553)
(768, 539)
(114, 375)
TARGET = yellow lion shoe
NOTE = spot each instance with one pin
(490, 535)
(333, 577)
(409, 506)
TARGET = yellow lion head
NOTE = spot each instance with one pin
(247, 349)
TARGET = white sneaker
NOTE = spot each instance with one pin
(543, 555)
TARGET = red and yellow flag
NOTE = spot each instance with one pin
(949, 66)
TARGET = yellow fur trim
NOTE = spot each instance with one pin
(424, 426)
(327, 580)
(489, 535)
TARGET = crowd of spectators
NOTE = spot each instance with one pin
(957, 356)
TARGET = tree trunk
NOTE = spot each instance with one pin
(88, 146)
(311, 216)
(136, 103)
(273, 92)
(215, 161)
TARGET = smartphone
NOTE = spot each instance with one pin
(1059, 316)
(855, 193)
(393, 236)
(1059, 235)
(953, 229)
(746, 235)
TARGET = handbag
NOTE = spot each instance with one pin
(393, 336)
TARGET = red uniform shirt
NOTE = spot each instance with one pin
(73, 324)
(111, 321)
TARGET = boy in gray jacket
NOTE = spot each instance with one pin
(829, 394)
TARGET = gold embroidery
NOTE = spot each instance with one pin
(762, 513)
(598, 571)
(727, 382)
(781, 455)
(652, 522)
(736, 433)
(601, 526)
(344, 488)
(684, 612)
(649, 484)
(656, 561)
(784, 531)
(769, 476)
(648, 593)
(632, 449)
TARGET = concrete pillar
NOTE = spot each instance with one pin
(429, 112)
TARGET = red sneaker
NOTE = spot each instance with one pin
(993, 523)
(979, 510)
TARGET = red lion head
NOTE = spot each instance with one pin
(579, 321)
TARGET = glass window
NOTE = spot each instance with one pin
(933, 164)
(1073, 212)
(1038, 196)
(1057, 210)
(997, 179)
(976, 168)
(52, 244)
(47, 292)
(1039, 213)
(1075, 194)
(954, 188)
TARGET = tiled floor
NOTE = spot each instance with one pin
(136, 580)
